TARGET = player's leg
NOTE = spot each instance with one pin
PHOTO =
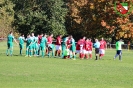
(63, 51)
(120, 55)
(53, 46)
(36, 49)
(56, 47)
(43, 53)
(20, 46)
(11, 49)
(90, 54)
(27, 50)
(30, 50)
(73, 52)
(101, 53)
(59, 50)
(117, 53)
(86, 54)
(97, 53)
(8, 48)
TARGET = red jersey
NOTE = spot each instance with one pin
(39, 39)
(50, 40)
(58, 40)
(88, 45)
(102, 44)
(68, 43)
(79, 43)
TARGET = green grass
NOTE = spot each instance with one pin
(21, 72)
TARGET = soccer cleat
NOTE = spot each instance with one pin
(74, 59)
(26, 56)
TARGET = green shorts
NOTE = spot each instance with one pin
(36, 46)
(73, 48)
(28, 47)
(10, 45)
(21, 46)
(42, 47)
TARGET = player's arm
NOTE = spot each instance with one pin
(15, 41)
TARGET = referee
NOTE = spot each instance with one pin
(97, 46)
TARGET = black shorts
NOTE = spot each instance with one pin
(97, 50)
(119, 52)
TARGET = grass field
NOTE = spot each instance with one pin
(21, 72)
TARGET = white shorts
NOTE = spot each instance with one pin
(77, 51)
(82, 51)
(58, 47)
(88, 52)
(101, 51)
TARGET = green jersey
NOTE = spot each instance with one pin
(28, 41)
(36, 39)
(21, 40)
(118, 45)
(73, 42)
(33, 40)
(64, 41)
(10, 38)
(43, 41)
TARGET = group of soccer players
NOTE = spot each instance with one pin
(63, 47)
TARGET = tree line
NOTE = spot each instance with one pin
(90, 18)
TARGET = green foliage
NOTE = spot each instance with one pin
(47, 16)
(6, 17)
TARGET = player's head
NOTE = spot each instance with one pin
(32, 34)
(45, 35)
(51, 35)
(22, 35)
(96, 40)
(120, 40)
(84, 37)
(102, 38)
(41, 34)
(11, 32)
(28, 35)
(70, 36)
(89, 39)
(60, 35)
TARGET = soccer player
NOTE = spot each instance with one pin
(39, 40)
(58, 46)
(32, 44)
(119, 49)
(88, 48)
(10, 39)
(50, 45)
(103, 46)
(43, 44)
(28, 46)
(82, 50)
(64, 46)
(36, 45)
(96, 46)
(72, 48)
(21, 43)
(68, 43)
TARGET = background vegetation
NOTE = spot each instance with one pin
(91, 18)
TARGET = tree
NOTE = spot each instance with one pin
(47, 16)
(97, 18)
(6, 17)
